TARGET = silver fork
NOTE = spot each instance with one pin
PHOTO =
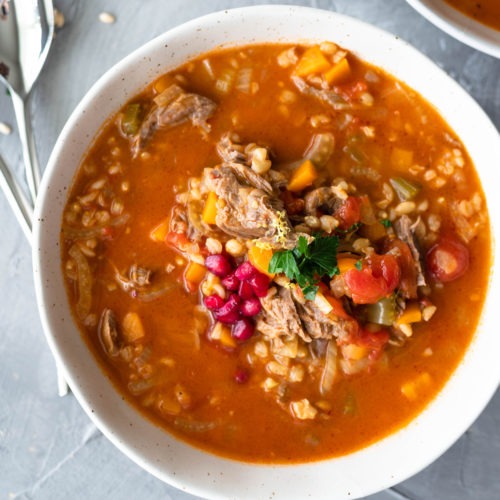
(26, 32)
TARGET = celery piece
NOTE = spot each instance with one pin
(131, 119)
(405, 190)
(382, 312)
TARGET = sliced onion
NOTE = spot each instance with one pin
(330, 370)
(321, 149)
(84, 282)
(194, 425)
(95, 231)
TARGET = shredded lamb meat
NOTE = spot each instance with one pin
(283, 315)
(405, 231)
(173, 107)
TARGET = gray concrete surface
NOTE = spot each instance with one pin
(49, 449)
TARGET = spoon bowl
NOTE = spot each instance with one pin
(26, 32)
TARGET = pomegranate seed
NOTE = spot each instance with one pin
(213, 302)
(230, 312)
(219, 265)
(245, 271)
(229, 318)
(243, 329)
(251, 307)
(241, 375)
(245, 290)
(260, 283)
(231, 282)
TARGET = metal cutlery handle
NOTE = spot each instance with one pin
(23, 118)
(22, 207)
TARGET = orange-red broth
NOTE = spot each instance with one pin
(248, 426)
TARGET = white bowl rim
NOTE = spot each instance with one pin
(197, 472)
(461, 27)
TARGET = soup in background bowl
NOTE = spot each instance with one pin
(476, 24)
(133, 124)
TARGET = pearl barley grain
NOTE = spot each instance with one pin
(107, 18)
(5, 129)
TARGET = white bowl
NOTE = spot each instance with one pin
(372, 469)
(459, 26)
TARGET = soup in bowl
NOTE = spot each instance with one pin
(271, 258)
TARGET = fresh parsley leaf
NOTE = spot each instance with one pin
(358, 265)
(307, 263)
(284, 262)
(386, 222)
(303, 246)
(310, 291)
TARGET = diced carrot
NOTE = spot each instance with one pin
(195, 273)
(338, 73)
(401, 159)
(210, 209)
(337, 307)
(226, 339)
(312, 61)
(303, 177)
(260, 259)
(346, 264)
(222, 333)
(412, 314)
(159, 233)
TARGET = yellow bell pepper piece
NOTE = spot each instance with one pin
(159, 233)
(401, 159)
(338, 73)
(412, 314)
(195, 273)
(210, 210)
(302, 177)
(312, 61)
(346, 264)
(260, 259)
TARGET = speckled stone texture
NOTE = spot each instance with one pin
(49, 449)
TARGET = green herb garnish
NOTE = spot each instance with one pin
(386, 222)
(307, 263)
(358, 265)
(351, 229)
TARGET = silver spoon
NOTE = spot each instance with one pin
(26, 32)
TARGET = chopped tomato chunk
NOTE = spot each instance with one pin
(349, 212)
(448, 259)
(337, 307)
(375, 341)
(378, 278)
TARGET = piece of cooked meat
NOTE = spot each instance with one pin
(330, 97)
(247, 211)
(319, 326)
(173, 107)
(247, 175)
(229, 151)
(323, 198)
(108, 332)
(404, 229)
(234, 156)
(283, 315)
(279, 317)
